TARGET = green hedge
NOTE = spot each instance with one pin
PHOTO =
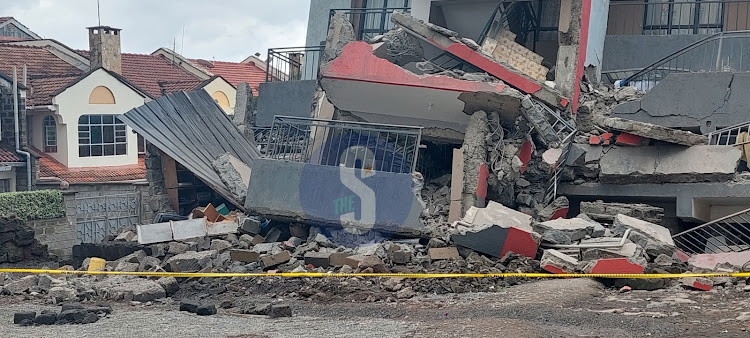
(31, 205)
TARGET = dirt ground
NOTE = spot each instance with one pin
(548, 308)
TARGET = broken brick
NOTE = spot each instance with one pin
(437, 254)
(270, 261)
(337, 259)
(245, 256)
(318, 259)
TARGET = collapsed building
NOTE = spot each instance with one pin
(421, 144)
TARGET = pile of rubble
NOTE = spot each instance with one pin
(17, 242)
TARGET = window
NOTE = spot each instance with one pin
(50, 134)
(683, 17)
(5, 185)
(101, 135)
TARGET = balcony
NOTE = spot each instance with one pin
(678, 17)
(293, 63)
(369, 22)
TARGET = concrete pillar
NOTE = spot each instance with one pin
(475, 162)
(243, 107)
(573, 41)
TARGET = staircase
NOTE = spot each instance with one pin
(726, 234)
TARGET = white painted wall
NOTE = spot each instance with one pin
(74, 102)
(11, 175)
(420, 9)
(37, 139)
(220, 84)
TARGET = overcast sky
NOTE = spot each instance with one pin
(225, 30)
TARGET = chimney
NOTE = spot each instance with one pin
(104, 48)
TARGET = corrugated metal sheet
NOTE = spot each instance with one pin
(193, 130)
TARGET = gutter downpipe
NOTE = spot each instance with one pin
(18, 136)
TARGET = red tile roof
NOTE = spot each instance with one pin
(43, 89)
(235, 72)
(9, 156)
(11, 39)
(38, 60)
(147, 71)
(49, 167)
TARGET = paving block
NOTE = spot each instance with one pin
(245, 256)
(557, 262)
(437, 254)
(614, 266)
(318, 259)
(270, 261)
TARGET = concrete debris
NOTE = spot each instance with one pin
(401, 47)
(234, 173)
(340, 33)
(651, 131)
(574, 228)
(71, 313)
(557, 262)
(17, 242)
(190, 261)
(606, 212)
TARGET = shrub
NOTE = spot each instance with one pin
(32, 205)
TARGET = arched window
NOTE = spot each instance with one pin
(101, 95)
(101, 135)
(221, 99)
(50, 134)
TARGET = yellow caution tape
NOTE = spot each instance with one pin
(387, 275)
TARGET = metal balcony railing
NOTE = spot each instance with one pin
(731, 135)
(379, 147)
(721, 52)
(293, 63)
(515, 15)
(667, 17)
(726, 234)
(369, 22)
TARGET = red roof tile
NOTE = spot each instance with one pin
(9, 156)
(42, 89)
(11, 39)
(169, 87)
(49, 167)
(3, 19)
(235, 72)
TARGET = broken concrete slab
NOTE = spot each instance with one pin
(222, 228)
(642, 231)
(651, 131)
(557, 262)
(234, 173)
(575, 228)
(486, 63)
(708, 262)
(606, 212)
(192, 228)
(536, 116)
(669, 164)
(615, 266)
(497, 241)
(374, 90)
(270, 261)
(154, 233)
(497, 214)
(703, 284)
(340, 33)
(626, 251)
(318, 259)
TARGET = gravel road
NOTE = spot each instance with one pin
(550, 308)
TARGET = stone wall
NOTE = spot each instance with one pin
(58, 234)
(155, 198)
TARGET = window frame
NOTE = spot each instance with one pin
(50, 145)
(695, 18)
(102, 135)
